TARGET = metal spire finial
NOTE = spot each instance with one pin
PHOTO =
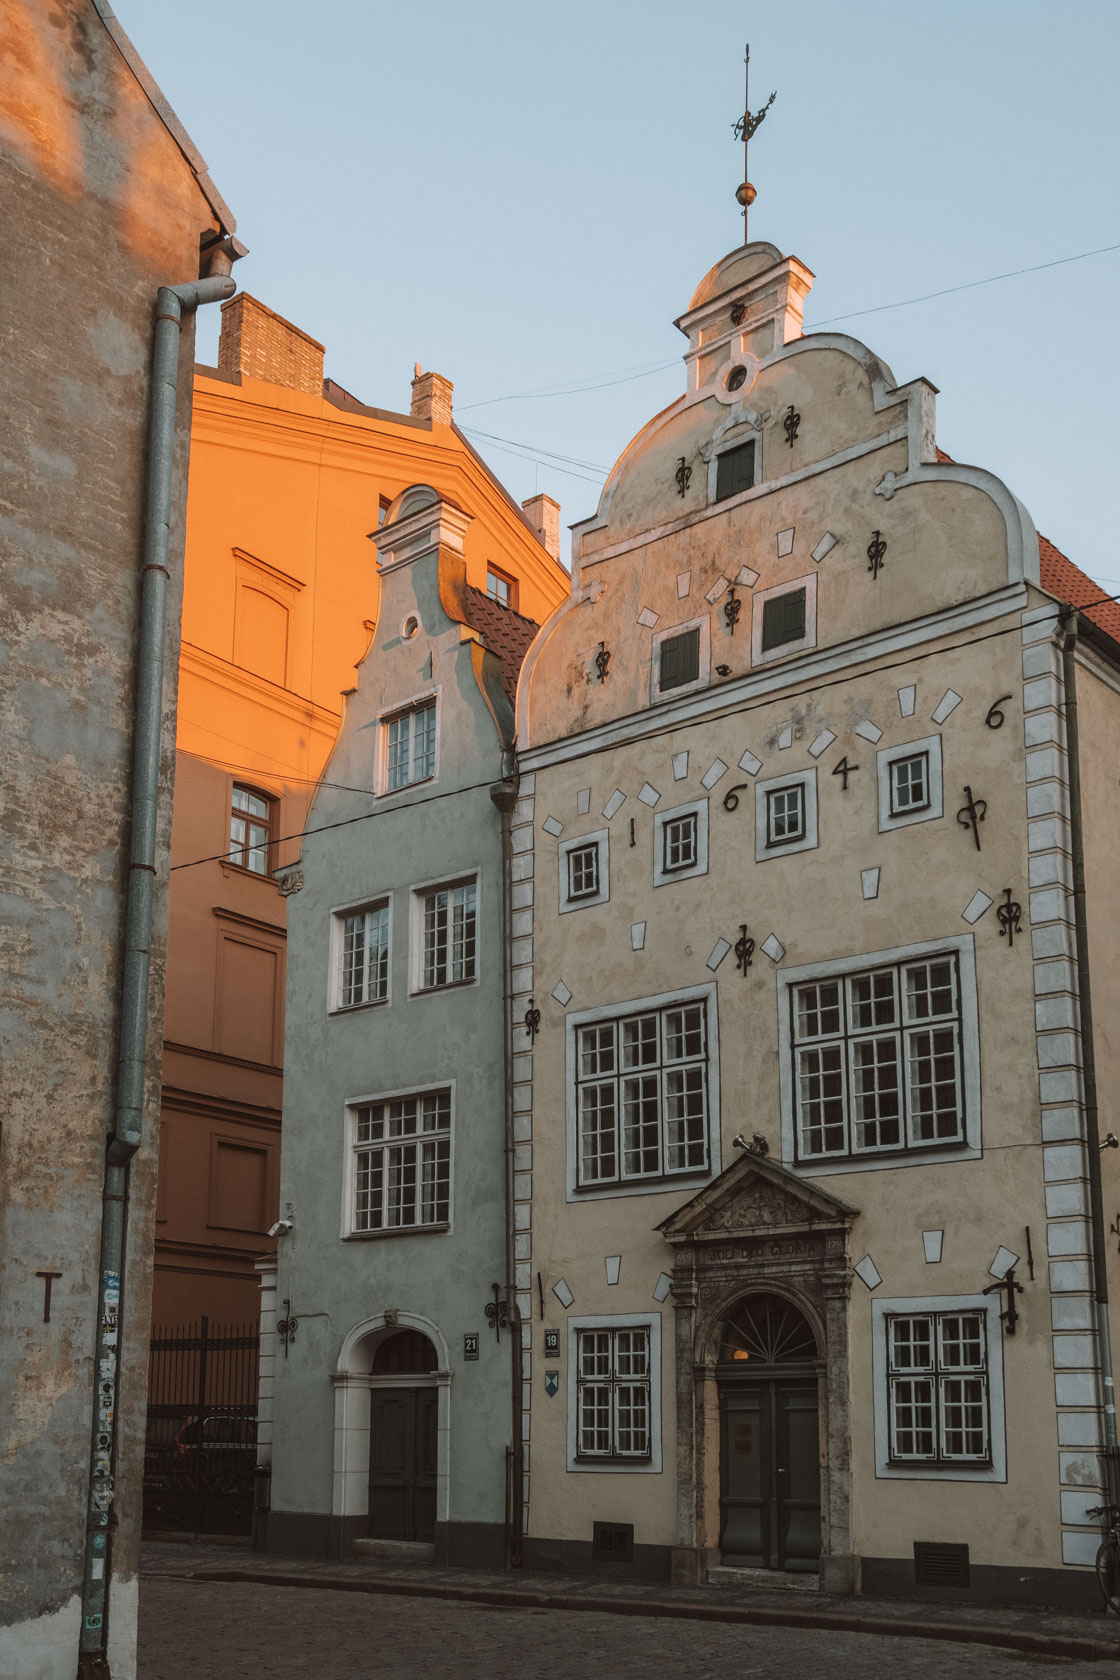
(743, 129)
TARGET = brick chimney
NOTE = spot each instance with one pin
(543, 515)
(262, 345)
(431, 397)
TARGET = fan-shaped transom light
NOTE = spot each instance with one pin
(766, 1330)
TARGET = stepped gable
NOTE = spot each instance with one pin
(507, 633)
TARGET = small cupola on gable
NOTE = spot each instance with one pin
(746, 307)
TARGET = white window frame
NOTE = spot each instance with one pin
(416, 703)
(807, 781)
(350, 1167)
(732, 431)
(704, 625)
(417, 893)
(989, 1306)
(674, 1183)
(651, 1466)
(808, 640)
(885, 757)
(663, 877)
(963, 947)
(338, 916)
(600, 838)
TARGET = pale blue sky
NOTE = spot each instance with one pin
(523, 196)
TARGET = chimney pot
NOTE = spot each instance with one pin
(543, 515)
(262, 345)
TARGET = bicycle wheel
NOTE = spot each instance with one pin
(1108, 1571)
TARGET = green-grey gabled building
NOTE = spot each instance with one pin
(387, 1387)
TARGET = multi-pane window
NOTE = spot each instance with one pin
(735, 470)
(785, 814)
(909, 784)
(613, 1393)
(679, 842)
(449, 935)
(402, 1162)
(877, 1060)
(410, 746)
(783, 619)
(501, 587)
(937, 1374)
(642, 1095)
(583, 871)
(363, 956)
(679, 659)
(250, 830)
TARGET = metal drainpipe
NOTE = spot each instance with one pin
(128, 1132)
(504, 796)
(1107, 1391)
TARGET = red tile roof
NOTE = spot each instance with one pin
(507, 634)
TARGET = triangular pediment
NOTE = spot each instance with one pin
(752, 1196)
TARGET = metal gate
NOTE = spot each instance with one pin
(200, 1449)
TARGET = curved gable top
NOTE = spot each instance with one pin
(744, 264)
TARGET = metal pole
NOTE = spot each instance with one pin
(1107, 1390)
(746, 128)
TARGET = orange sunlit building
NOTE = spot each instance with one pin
(289, 476)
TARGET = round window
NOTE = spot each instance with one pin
(737, 377)
(410, 627)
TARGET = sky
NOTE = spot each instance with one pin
(523, 197)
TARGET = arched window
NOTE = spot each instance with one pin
(408, 1352)
(766, 1330)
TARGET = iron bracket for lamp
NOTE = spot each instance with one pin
(1010, 1316)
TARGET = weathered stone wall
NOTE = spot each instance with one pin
(107, 208)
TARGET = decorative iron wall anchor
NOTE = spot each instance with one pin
(603, 661)
(732, 607)
(497, 1312)
(1009, 914)
(845, 769)
(683, 476)
(1030, 1252)
(633, 832)
(876, 549)
(1010, 1315)
(972, 813)
(532, 1019)
(731, 797)
(995, 719)
(744, 949)
(790, 425)
(287, 1326)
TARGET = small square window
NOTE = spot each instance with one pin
(735, 471)
(909, 784)
(783, 619)
(678, 841)
(501, 587)
(583, 871)
(785, 815)
(680, 659)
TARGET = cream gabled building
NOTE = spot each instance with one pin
(802, 1122)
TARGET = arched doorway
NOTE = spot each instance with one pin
(403, 1434)
(770, 1491)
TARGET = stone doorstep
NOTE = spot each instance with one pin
(397, 1551)
(695, 1604)
(771, 1580)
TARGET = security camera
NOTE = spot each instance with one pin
(280, 1229)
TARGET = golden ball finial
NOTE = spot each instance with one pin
(745, 194)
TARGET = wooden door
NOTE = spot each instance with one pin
(402, 1463)
(770, 1505)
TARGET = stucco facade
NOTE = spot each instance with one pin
(113, 203)
(376, 1335)
(807, 1082)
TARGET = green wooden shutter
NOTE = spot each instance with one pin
(735, 471)
(783, 619)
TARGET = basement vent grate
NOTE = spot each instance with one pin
(613, 1542)
(940, 1565)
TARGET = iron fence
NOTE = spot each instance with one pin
(201, 1443)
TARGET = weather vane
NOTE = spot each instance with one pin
(742, 130)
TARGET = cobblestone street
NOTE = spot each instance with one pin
(205, 1630)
